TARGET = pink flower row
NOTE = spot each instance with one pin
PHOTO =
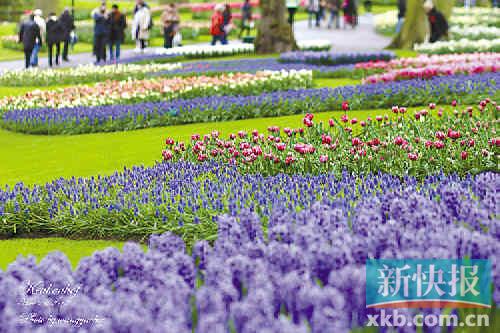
(430, 71)
(429, 60)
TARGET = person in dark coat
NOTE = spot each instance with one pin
(246, 18)
(350, 13)
(55, 35)
(437, 22)
(29, 34)
(117, 25)
(68, 23)
(101, 34)
(228, 24)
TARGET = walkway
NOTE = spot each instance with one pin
(363, 38)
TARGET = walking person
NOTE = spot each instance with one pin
(334, 8)
(29, 34)
(55, 35)
(170, 21)
(313, 10)
(101, 34)
(41, 24)
(228, 22)
(401, 15)
(68, 24)
(217, 25)
(350, 13)
(292, 6)
(141, 26)
(117, 25)
(246, 18)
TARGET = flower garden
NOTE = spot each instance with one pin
(246, 193)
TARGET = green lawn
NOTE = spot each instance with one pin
(74, 249)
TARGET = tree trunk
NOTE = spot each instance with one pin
(275, 34)
(416, 27)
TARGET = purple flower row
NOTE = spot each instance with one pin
(254, 65)
(334, 58)
(298, 270)
(464, 88)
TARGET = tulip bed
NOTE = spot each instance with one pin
(460, 46)
(296, 271)
(81, 74)
(150, 90)
(465, 89)
(474, 32)
(462, 142)
(425, 67)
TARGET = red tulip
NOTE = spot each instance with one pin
(345, 106)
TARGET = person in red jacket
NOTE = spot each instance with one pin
(217, 25)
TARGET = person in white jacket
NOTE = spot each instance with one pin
(41, 24)
(141, 26)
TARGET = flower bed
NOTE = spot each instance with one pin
(466, 89)
(300, 270)
(332, 58)
(385, 23)
(474, 32)
(81, 74)
(134, 91)
(314, 45)
(401, 146)
(206, 51)
(424, 60)
(216, 67)
(425, 67)
(459, 46)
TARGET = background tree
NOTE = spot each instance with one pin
(416, 27)
(274, 34)
(47, 6)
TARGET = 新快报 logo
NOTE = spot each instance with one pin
(428, 283)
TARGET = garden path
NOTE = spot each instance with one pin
(363, 38)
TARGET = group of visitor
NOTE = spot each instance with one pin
(330, 10)
(109, 30)
(53, 31)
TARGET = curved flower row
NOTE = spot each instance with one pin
(435, 70)
(461, 142)
(196, 51)
(460, 46)
(334, 58)
(303, 272)
(81, 74)
(134, 91)
(425, 60)
(255, 65)
(466, 89)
